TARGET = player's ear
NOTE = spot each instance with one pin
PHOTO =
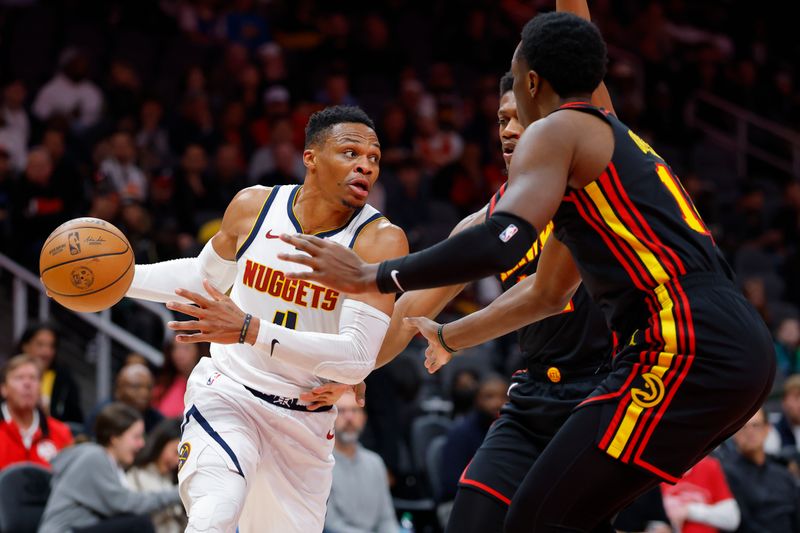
(310, 158)
(534, 83)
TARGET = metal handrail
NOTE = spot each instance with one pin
(107, 330)
(738, 140)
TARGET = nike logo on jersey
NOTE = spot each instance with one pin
(269, 235)
(272, 347)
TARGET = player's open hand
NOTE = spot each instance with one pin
(218, 318)
(435, 355)
(332, 264)
(329, 394)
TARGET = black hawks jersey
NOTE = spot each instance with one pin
(633, 229)
(576, 339)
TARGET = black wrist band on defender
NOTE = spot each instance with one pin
(441, 340)
(480, 251)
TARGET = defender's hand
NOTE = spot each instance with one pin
(435, 355)
(333, 265)
(329, 394)
(218, 320)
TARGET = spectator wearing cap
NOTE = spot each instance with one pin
(14, 124)
(26, 432)
(786, 433)
(70, 93)
(765, 490)
(119, 172)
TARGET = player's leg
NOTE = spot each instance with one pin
(218, 453)
(475, 511)
(290, 491)
(574, 486)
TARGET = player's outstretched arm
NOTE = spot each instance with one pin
(428, 303)
(346, 357)
(539, 171)
(600, 97)
(217, 261)
(544, 294)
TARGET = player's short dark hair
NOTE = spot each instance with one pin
(322, 121)
(506, 83)
(113, 420)
(566, 50)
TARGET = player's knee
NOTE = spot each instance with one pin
(210, 515)
(212, 494)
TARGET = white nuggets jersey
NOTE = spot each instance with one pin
(262, 290)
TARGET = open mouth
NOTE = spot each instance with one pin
(508, 149)
(359, 186)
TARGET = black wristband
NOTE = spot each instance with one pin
(494, 246)
(243, 334)
(441, 340)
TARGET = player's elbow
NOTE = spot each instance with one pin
(347, 372)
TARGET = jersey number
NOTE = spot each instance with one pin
(690, 215)
(287, 319)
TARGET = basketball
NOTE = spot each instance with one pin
(86, 264)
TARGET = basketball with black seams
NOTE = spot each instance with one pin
(86, 264)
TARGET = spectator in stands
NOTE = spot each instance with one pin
(766, 492)
(66, 172)
(179, 360)
(359, 499)
(786, 433)
(60, 395)
(466, 436)
(89, 493)
(228, 177)
(787, 345)
(38, 206)
(26, 432)
(701, 502)
(14, 124)
(152, 138)
(463, 388)
(70, 93)
(156, 469)
(119, 172)
(7, 180)
(134, 388)
(646, 514)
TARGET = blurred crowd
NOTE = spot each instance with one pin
(152, 115)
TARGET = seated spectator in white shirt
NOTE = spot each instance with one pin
(360, 501)
(70, 93)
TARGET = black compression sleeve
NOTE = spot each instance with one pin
(480, 251)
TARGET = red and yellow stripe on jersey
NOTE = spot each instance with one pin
(654, 268)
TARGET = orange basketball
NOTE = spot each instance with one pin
(86, 264)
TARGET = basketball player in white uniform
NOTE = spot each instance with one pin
(244, 427)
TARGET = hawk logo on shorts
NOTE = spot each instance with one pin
(183, 454)
(652, 394)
